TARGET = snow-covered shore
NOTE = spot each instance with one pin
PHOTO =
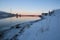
(46, 29)
(15, 30)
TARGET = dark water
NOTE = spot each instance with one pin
(8, 22)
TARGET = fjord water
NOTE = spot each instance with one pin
(8, 22)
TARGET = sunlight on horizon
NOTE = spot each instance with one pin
(28, 6)
(25, 12)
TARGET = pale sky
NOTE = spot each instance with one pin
(29, 6)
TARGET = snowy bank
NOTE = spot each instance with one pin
(18, 29)
(47, 29)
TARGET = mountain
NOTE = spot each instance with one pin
(5, 15)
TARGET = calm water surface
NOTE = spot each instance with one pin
(8, 22)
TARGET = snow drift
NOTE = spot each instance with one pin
(47, 29)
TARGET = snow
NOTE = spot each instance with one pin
(47, 29)
(10, 34)
(5, 15)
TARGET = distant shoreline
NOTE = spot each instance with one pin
(6, 17)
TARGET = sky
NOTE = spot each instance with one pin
(29, 6)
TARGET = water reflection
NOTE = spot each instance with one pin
(8, 22)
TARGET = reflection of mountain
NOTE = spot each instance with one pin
(5, 15)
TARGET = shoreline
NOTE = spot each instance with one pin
(18, 28)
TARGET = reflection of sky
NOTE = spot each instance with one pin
(29, 5)
(8, 22)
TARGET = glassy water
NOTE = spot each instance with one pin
(8, 22)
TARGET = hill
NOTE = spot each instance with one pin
(5, 15)
(47, 29)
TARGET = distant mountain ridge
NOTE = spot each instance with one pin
(5, 14)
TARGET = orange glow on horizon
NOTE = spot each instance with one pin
(28, 13)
